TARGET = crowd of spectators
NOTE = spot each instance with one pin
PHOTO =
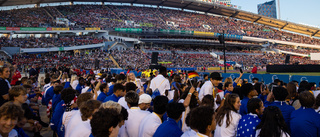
(111, 16)
(45, 42)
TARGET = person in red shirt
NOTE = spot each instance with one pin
(254, 69)
(16, 75)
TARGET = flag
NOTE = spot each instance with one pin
(192, 74)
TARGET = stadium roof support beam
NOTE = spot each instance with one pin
(284, 25)
(161, 3)
(234, 14)
(4, 1)
(187, 5)
(314, 33)
(257, 19)
(210, 9)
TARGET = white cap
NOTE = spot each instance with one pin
(144, 98)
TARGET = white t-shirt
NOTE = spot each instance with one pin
(283, 134)
(149, 125)
(84, 90)
(123, 102)
(98, 93)
(74, 84)
(189, 133)
(206, 89)
(230, 131)
(161, 83)
(184, 116)
(73, 122)
(83, 129)
(12, 133)
(133, 123)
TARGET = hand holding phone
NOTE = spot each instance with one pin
(241, 70)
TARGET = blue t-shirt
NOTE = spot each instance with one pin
(168, 128)
(286, 110)
(243, 107)
(48, 96)
(79, 88)
(247, 125)
(113, 97)
(56, 116)
(305, 122)
(101, 96)
(55, 100)
(110, 92)
(226, 91)
(263, 97)
(20, 131)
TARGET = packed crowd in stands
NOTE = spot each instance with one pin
(160, 104)
(110, 16)
(297, 50)
(44, 42)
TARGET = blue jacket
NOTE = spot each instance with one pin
(168, 128)
(48, 96)
(247, 125)
(305, 122)
(113, 97)
(243, 107)
(57, 115)
(55, 100)
(286, 110)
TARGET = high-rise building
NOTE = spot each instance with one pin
(224, 1)
(268, 9)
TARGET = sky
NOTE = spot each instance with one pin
(305, 12)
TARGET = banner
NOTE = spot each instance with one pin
(251, 76)
(12, 28)
(128, 29)
(92, 29)
(60, 29)
(231, 75)
(269, 78)
(32, 29)
(300, 78)
(61, 48)
(203, 33)
(2, 28)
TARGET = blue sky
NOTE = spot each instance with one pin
(297, 11)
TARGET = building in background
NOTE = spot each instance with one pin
(224, 1)
(268, 9)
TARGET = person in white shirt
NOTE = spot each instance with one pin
(208, 86)
(144, 101)
(202, 122)
(132, 78)
(9, 115)
(83, 129)
(160, 82)
(227, 117)
(131, 126)
(86, 87)
(72, 118)
(152, 121)
(74, 81)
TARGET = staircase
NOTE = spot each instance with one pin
(112, 45)
(45, 10)
(159, 15)
(114, 61)
(112, 12)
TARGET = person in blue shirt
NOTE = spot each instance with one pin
(104, 90)
(67, 96)
(80, 86)
(305, 122)
(57, 96)
(120, 79)
(118, 91)
(229, 88)
(170, 126)
(248, 92)
(280, 94)
(248, 123)
(49, 93)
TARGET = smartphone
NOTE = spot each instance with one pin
(241, 70)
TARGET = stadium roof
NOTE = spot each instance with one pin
(197, 6)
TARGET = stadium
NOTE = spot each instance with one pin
(98, 40)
